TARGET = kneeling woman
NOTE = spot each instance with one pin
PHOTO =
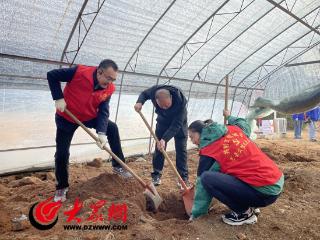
(233, 170)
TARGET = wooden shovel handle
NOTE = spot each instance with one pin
(118, 160)
(226, 96)
(164, 152)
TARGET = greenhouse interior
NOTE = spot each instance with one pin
(258, 59)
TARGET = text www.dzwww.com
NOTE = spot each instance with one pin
(96, 227)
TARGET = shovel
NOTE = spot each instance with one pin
(153, 198)
(226, 96)
(187, 193)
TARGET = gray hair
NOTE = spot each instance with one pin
(162, 93)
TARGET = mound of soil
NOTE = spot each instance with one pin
(295, 215)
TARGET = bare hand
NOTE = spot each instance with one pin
(138, 107)
(226, 113)
(161, 145)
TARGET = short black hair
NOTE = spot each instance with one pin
(198, 125)
(105, 63)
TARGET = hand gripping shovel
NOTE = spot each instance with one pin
(153, 198)
(188, 193)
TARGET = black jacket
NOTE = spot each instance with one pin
(175, 118)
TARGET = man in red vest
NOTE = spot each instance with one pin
(87, 95)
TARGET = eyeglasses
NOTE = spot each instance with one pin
(107, 78)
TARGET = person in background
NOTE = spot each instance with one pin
(312, 117)
(170, 106)
(298, 119)
(259, 122)
(233, 170)
(87, 95)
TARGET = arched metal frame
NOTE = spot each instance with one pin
(188, 41)
(312, 29)
(184, 45)
(233, 70)
(81, 27)
(261, 65)
(276, 5)
(54, 62)
(79, 21)
(233, 40)
(258, 49)
(267, 77)
(294, 16)
(136, 52)
(73, 29)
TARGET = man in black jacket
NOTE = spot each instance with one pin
(170, 105)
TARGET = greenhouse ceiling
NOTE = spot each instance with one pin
(191, 44)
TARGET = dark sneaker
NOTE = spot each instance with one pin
(60, 195)
(156, 180)
(236, 219)
(122, 172)
(186, 181)
(313, 140)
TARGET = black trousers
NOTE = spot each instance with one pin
(233, 192)
(180, 140)
(63, 141)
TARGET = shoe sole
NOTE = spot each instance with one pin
(121, 175)
(252, 220)
(156, 184)
(115, 172)
(257, 211)
(63, 199)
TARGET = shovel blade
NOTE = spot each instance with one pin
(153, 198)
(188, 198)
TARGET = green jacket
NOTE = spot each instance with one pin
(210, 134)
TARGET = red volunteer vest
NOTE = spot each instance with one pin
(80, 96)
(240, 157)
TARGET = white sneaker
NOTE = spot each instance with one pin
(122, 172)
(237, 219)
(61, 195)
(156, 180)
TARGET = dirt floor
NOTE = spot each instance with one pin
(296, 214)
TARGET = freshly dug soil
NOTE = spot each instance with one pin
(296, 214)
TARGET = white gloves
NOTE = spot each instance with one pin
(102, 140)
(60, 104)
